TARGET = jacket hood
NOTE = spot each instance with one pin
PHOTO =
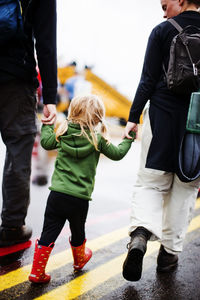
(78, 147)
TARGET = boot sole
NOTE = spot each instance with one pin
(37, 281)
(12, 243)
(132, 268)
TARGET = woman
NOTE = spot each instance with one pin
(162, 204)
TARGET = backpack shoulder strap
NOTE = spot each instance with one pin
(175, 24)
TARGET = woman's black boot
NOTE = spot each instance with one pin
(132, 267)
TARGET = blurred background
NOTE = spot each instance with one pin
(101, 46)
(109, 35)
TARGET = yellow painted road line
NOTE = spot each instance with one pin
(194, 224)
(90, 280)
(59, 260)
(197, 204)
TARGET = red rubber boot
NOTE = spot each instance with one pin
(40, 259)
(81, 255)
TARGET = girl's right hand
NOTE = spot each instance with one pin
(130, 127)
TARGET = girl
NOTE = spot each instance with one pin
(79, 147)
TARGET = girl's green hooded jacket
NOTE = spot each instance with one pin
(77, 159)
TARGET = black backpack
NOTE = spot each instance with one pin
(183, 74)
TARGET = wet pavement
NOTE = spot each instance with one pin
(106, 231)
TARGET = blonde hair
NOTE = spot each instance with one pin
(87, 111)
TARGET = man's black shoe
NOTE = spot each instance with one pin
(13, 236)
(166, 262)
(132, 267)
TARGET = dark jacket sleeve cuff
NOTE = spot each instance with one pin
(49, 96)
(133, 118)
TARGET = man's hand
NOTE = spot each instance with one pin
(130, 127)
(49, 114)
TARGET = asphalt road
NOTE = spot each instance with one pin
(106, 230)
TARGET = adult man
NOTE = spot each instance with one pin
(162, 204)
(18, 83)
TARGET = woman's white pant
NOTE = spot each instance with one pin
(161, 202)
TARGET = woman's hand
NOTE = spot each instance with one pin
(130, 127)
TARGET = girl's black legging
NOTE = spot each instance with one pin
(61, 207)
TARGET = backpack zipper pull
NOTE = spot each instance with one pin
(195, 70)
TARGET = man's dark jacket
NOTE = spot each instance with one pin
(17, 57)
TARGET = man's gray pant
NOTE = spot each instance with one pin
(18, 129)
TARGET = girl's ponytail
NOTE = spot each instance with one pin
(104, 130)
(62, 128)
